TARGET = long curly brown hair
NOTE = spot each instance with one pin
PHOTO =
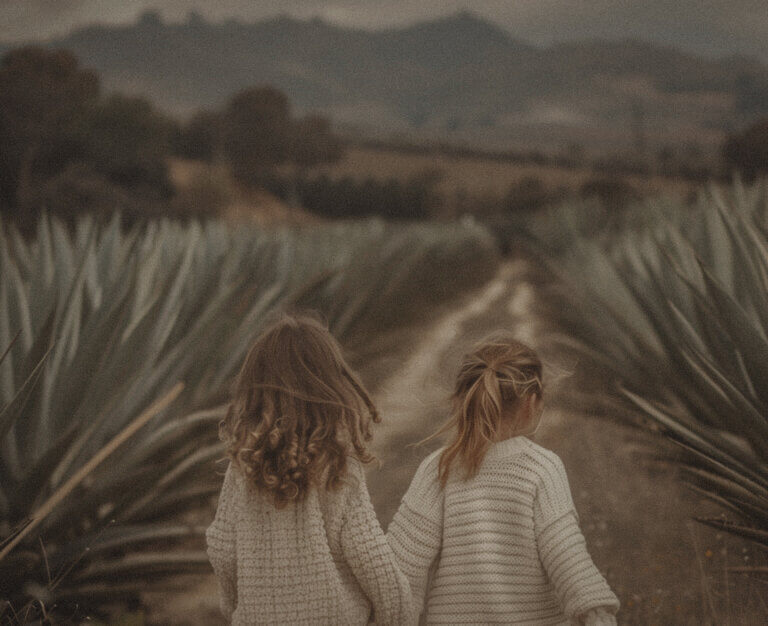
(297, 411)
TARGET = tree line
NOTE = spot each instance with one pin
(66, 146)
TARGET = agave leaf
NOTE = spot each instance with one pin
(167, 505)
(122, 538)
(10, 345)
(748, 502)
(7, 388)
(701, 439)
(727, 472)
(171, 304)
(750, 339)
(11, 412)
(103, 331)
(173, 431)
(758, 535)
(66, 324)
(34, 486)
(745, 416)
(191, 463)
(143, 566)
(107, 593)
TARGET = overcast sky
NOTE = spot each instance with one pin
(712, 27)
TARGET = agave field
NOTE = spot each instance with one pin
(98, 325)
(671, 306)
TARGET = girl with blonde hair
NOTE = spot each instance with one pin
(295, 539)
(490, 515)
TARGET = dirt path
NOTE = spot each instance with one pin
(664, 568)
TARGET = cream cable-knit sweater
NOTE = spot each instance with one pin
(505, 546)
(324, 560)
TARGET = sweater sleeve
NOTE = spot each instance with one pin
(220, 540)
(600, 616)
(369, 556)
(416, 531)
(578, 584)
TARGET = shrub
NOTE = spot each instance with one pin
(527, 194)
(415, 198)
(614, 193)
(79, 189)
(747, 152)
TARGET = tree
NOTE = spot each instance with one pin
(200, 137)
(256, 132)
(314, 143)
(128, 141)
(64, 148)
(747, 151)
(44, 96)
(527, 194)
(613, 192)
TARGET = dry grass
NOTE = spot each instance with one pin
(240, 204)
(478, 177)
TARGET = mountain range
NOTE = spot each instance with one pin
(451, 74)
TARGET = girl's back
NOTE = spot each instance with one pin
(295, 539)
(308, 562)
(492, 511)
(499, 533)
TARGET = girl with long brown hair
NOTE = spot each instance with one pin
(295, 539)
(491, 514)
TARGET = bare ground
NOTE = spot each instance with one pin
(636, 517)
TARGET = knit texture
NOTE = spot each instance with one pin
(504, 546)
(324, 560)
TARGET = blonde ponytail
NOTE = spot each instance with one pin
(493, 379)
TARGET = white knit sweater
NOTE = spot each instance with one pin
(504, 546)
(324, 560)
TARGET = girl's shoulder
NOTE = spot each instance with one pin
(521, 451)
(543, 455)
(355, 474)
(429, 465)
(552, 486)
(424, 490)
(541, 465)
(353, 480)
(427, 474)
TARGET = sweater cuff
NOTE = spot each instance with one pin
(600, 616)
(227, 597)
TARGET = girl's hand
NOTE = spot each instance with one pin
(600, 616)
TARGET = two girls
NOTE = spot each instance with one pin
(295, 539)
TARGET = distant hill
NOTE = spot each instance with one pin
(451, 74)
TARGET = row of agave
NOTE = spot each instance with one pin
(672, 306)
(97, 323)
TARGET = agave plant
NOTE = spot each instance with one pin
(99, 323)
(675, 312)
